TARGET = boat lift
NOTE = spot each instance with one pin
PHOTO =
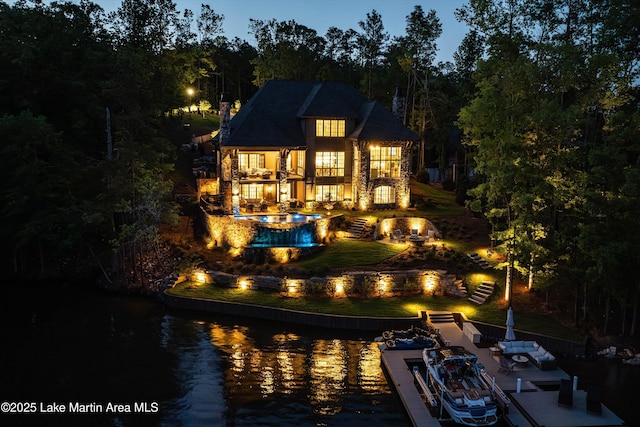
(500, 395)
(431, 400)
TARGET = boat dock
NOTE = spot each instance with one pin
(530, 404)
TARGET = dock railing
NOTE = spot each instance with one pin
(501, 396)
(425, 389)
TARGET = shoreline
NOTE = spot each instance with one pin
(329, 321)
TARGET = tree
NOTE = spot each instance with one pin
(286, 50)
(371, 44)
(419, 46)
(209, 26)
(38, 171)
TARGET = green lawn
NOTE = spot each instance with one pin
(379, 307)
(439, 202)
(350, 253)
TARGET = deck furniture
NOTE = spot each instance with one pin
(506, 365)
(565, 393)
(495, 351)
(520, 361)
(540, 356)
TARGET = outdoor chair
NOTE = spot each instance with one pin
(397, 235)
(506, 365)
(565, 394)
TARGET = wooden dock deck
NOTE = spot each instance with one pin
(531, 407)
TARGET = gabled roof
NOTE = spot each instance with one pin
(378, 124)
(272, 117)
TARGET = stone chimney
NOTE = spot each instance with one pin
(225, 117)
(397, 107)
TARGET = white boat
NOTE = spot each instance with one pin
(455, 376)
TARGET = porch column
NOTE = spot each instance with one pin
(404, 189)
(235, 183)
(283, 205)
(364, 192)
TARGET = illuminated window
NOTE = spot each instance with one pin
(385, 162)
(250, 160)
(329, 163)
(295, 162)
(331, 128)
(252, 191)
(384, 194)
(329, 193)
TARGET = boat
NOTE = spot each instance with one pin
(412, 332)
(414, 343)
(455, 377)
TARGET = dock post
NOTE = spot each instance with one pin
(519, 385)
(575, 383)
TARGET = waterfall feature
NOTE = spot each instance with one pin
(301, 235)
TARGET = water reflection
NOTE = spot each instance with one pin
(317, 373)
(202, 370)
(327, 375)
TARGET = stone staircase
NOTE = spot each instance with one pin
(461, 288)
(441, 318)
(478, 260)
(483, 292)
(357, 228)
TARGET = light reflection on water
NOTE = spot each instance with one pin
(287, 367)
(202, 370)
(284, 378)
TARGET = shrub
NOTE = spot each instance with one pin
(422, 175)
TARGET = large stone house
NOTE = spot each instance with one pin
(313, 144)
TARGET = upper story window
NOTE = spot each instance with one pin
(330, 127)
(329, 163)
(385, 162)
(250, 161)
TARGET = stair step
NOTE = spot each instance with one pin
(357, 228)
(441, 318)
(476, 300)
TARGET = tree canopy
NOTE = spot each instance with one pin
(537, 117)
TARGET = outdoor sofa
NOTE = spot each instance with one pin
(537, 354)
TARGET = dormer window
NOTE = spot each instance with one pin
(329, 127)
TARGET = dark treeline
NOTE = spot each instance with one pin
(538, 110)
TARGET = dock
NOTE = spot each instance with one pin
(532, 406)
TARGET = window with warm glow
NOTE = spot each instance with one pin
(385, 162)
(329, 193)
(295, 162)
(329, 163)
(330, 128)
(252, 191)
(384, 194)
(250, 160)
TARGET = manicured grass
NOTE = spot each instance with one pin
(439, 202)
(379, 307)
(349, 253)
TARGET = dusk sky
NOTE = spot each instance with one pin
(322, 14)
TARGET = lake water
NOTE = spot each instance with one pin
(86, 351)
(66, 347)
